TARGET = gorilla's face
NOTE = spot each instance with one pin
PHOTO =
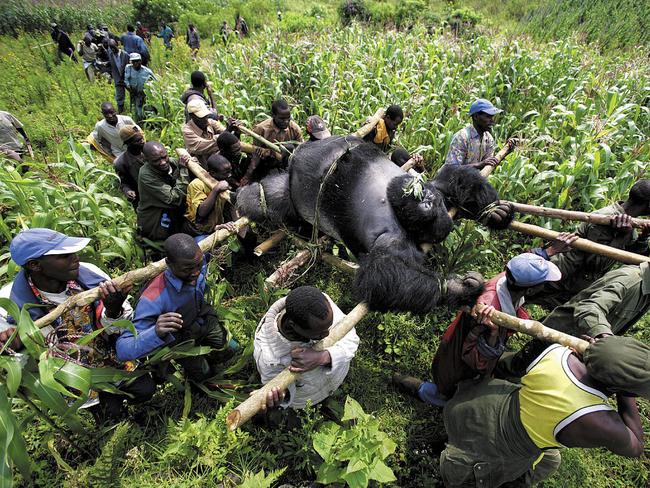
(424, 217)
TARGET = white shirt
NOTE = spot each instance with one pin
(58, 298)
(111, 134)
(272, 353)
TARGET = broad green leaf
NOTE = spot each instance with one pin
(352, 410)
(381, 473)
(47, 366)
(329, 473)
(357, 479)
(325, 439)
(73, 376)
(29, 334)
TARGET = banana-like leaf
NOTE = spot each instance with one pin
(29, 334)
(14, 369)
(47, 366)
(14, 450)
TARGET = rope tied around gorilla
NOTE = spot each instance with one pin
(263, 202)
(483, 217)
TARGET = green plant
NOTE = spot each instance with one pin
(354, 455)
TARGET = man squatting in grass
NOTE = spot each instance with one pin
(471, 346)
(284, 338)
(172, 309)
(500, 432)
(51, 273)
(201, 131)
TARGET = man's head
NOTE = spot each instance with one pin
(482, 112)
(527, 272)
(87, 40)
(219, 167)
(109, 113)
(317, 129)
(130, 28)
(133, 137)
(393, 117)
(281, 114)
(621, 364)
(199, 82)
(639, 199)
(112, 45)
(199, 112)
(54, 26)
(48, 253)
(229, 144)
(190, 26)
(138, 24)
(184, 257)
(308, 313)
(136, 60)
(156, 155)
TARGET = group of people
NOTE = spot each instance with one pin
(506, 414)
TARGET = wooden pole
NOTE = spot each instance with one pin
(286, 269)
(276, 148)
(367, 128)
(556, 213)
(535, 329)
(582, 244)
(132, 277)
(257, 401)
(275, 238)
(328, 258)
(201, 173)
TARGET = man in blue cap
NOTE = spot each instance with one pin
(474, 144)
(51, 273)
(472, 345)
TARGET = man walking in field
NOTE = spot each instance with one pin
(193, 40)
(133, 43)
(135, 77)
(118, 60)
(88, 52)
(64, 46)
(166, 34)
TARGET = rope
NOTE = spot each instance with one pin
(263, 201)
(485, 213)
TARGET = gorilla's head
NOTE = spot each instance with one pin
(464, 188)
(419, 208)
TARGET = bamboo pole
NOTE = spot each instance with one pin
(275, 238)
(535, 329)
(276, 148)
(257, 401)
(582, 244)
(367, 128)
(592, 218)
(132, 277)
(201, 173)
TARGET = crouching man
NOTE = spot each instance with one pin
(172, 309)
(285, 337)
(51, 273)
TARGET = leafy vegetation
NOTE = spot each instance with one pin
(584, 120)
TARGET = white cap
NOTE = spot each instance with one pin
(69, 245)
(135, 57)
(198, 108)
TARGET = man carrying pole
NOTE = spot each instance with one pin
(500, 432)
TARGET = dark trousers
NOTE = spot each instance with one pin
(111, 405)
(206, 330)
(137, 100)
(120, 95)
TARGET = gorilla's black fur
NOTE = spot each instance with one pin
(363, 202)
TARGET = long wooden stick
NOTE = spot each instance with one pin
(201, 173)
(592, 218)
(328, 258)
(367, 128)
(276, 148)
(582, 244)
(535, 329)
(274, 239)
(257, 401)
(281, 275)
(132, 277)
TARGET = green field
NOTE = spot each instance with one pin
(583, 113)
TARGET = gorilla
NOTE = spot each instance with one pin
(352, 192)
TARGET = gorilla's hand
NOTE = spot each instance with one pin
(463, 290)
(497, 215)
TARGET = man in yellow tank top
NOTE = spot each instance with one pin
(500, 432)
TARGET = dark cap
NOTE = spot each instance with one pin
(317, 128)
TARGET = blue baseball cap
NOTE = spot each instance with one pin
(33, 243)
(483, 105)
(529, 269)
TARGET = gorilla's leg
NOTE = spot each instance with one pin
(267, 201)
(388, 280)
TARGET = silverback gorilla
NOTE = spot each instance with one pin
(363, 200)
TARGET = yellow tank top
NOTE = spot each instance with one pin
(551, 397)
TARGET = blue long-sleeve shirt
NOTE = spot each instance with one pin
(134, 44)
(134, 79)
(166, 293)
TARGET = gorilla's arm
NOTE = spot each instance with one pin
(267, 201)
(392, 276)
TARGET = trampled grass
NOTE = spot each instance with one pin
(584, 121)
